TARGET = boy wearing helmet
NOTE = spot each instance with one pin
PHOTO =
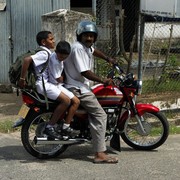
(78, 73)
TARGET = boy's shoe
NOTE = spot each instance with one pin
(69, 132)
(51, 133)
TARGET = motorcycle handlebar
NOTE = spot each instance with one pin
(118, 68)
(126, 79)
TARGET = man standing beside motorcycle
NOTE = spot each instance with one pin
(78, 73)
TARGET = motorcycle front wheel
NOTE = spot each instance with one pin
(32, 128)
(156, 131)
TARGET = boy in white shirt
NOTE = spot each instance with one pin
(56, 76)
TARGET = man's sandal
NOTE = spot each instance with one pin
(109, 160)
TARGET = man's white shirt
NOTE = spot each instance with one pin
(80, 60)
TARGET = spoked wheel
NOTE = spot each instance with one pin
(156, 131)
(31, 130)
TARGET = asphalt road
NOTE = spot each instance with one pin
(76, 163)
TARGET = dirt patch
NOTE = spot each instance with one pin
(144, 98)
(10, 104)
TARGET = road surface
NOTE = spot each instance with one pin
(76, 163)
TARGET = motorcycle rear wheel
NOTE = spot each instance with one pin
(156, 131)
(33, 127)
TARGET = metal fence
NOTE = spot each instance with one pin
(161, 50)
(107, 24)
(161, 62)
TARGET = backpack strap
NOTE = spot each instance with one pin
(42, 70)
(46, 64)
(45, 93)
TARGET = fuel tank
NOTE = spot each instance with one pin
(107, 95)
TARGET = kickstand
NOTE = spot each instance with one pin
(115, 142)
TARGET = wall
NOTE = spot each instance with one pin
(20, 22)
(63, 23)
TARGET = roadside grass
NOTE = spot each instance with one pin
(173, 129)
(6, 126)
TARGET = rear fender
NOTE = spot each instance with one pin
(19, 122)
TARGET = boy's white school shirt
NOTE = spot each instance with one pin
(39, 60)
(55, 68)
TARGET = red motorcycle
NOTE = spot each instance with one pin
(141, 126)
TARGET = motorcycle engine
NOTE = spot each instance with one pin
(112, 116)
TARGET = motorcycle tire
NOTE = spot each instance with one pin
(156, 131)
(32, 126)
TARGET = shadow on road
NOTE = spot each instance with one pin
(77, 152)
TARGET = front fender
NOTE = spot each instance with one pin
(142, 108)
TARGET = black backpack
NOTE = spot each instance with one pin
(31, 77)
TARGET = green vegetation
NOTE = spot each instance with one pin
(102, 68)
(152, 86)
(6, 126)
(174, 129)
(173, 62)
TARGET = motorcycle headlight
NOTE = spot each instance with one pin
(139, 87)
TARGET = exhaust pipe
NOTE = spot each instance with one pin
(64, 141)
